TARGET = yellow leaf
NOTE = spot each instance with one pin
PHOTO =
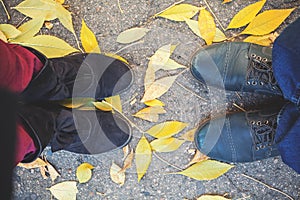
(143, 156)
(75, 102)
(64, 17)
(220, 36)
(88, 39)
(65, 190)
(29, 29)
(149, 76)
(35, 164)
(267, 21)
(189, 136)
(206, 170)
(150, 113)
(50, 46)
(211, 197)
(3, 37)
(115, 101)
(246, 15)
(84, 172)
(172, 64)
(102, 106)
(166, 144)
(193, 25)
(198, 157)
(52, 171)
(226, 1)
(160, 57)
(60, 1)
(158, 88)
(128, 161)
(131, 35)
(154, 102)
(166, 129)
(116, 174)
(263, 40)
(207, 26)
(179, 12)
(117, 57)
(9, 31)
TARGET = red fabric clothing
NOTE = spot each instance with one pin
(18, 65)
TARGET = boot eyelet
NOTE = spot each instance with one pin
(261, 83)
(252, 122)
(253, 55)
(265, 59)
(266, 122)
(258, 58)
(254, 82)
(248, 82)
(257, 148)
(258, 123)
(262, 146)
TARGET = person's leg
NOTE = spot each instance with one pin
(18, 65)
(286, 65)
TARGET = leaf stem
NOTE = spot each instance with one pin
(4, 7)
(163, 160)
(217, 19)
(268, 186)
(120, 7)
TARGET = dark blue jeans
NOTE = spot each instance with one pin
(286, 66)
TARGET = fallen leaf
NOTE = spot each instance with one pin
(273, 36)
(52, 171)
(143, 156)
(84, 172)
(116, 174)
(75, 102)
(158, 88)
(220, 36)
(128, 161)
(50, 46)
(125, 151)
(211, 197)
(246, 15)
(207, 26)
(166, 129)
(179, 12)
(166, 144)
(102, 106)
(9, 31)
(154, 102)
(149, 76)
(172, 64)
(263, 40)
(116, 103)
(48, 25)
(131, 35)
(88, 39)
(29, 29)
(65, 190)
(267, 21)
(150, 113)
(160, 57)
(43, 172)
(65, 17)
(117, 57)
(35, 164)
(189, 135)
(60, 1)
(226, 1)
(198, 157)
(206, 170)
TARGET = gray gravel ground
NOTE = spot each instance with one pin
(106, 20)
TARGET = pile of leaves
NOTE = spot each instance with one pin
(166, 136)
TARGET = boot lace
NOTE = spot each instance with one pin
(260, 72)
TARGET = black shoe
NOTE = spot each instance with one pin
(242, 67)
(84, 132)
(81, 75)
(240, 137)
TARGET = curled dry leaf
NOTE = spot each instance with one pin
(125, 151)
(207, 26)
(267, 21)
(189, 135)
(88, 39)
(179, 12)
(128, 161)
(116, 174)
(150, 113)
(35, 164)
(52, 171)
(166, 144)
(143, 156)
(84, 172)
(132, 35)
(211, 197)
(158, 88)
(65, 190)
(166, 129)
(154, 102)
(198, 157)
(206, 170)
(246, 15)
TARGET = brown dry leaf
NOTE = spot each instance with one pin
(48, 25)
(65, 190)
(125, 151)
(158, 88)
(263, 40)
(267, 21)
(207, 26)
(246, 15)
(206, 170)
(179, 12)
(226, 1)
(154, 102)
(128, 161)
(35, 164)
(150, 113)
(211, 197)
(52, 171)
(198, 157)
(166, 129)
(43, 172)
(84, 172)
(116, 174)
(166, 144)
(189, 135)
(132, 35)
(143, 156)
(88, 39)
